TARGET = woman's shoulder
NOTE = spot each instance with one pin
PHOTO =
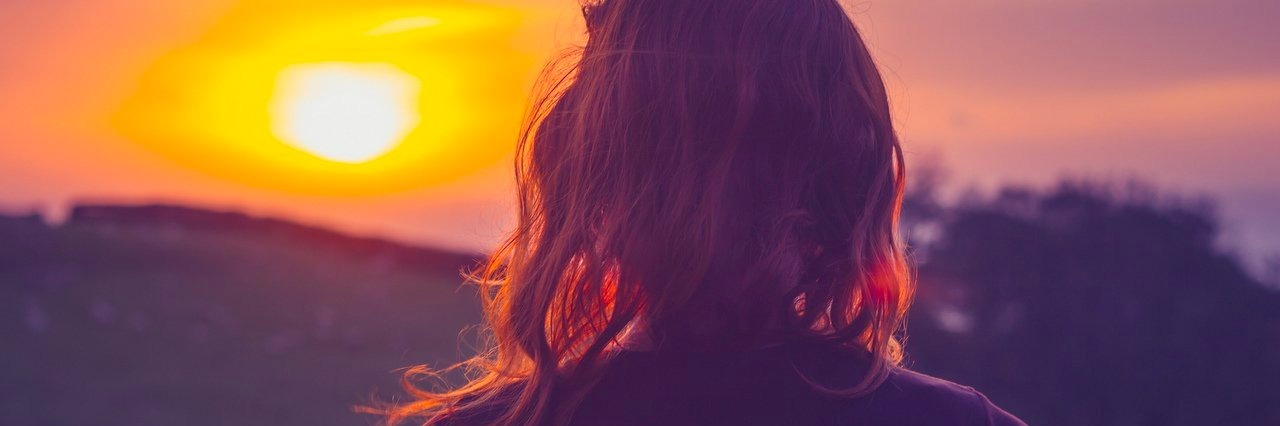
(921, 399)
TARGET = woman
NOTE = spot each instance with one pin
(708, 206)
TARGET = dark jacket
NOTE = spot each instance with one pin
(768, 387)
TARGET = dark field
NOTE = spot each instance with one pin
(181, 317)
(1075, 306)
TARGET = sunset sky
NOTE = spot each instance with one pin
(230, 104)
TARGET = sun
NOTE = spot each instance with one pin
(340, 99)
(345, 112)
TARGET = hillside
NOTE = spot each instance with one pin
(169, 315)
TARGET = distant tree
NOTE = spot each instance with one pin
(922, 211)
(1271, 272)
(1098, 305)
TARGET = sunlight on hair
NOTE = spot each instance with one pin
(345, 112)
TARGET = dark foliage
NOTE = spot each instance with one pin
(1088, 305)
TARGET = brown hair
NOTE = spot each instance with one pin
(713, 174)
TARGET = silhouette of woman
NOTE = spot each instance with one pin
(708, 207)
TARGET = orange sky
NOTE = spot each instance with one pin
(157, 100)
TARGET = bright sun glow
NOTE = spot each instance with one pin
(348, 98)
(401, 25)
(345, 112)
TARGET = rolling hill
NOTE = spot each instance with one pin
(164, 315)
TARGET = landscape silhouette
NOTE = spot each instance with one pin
(1081, 304)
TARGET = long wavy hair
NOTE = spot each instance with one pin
(702, 176)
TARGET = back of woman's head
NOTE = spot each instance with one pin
(711, 174)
